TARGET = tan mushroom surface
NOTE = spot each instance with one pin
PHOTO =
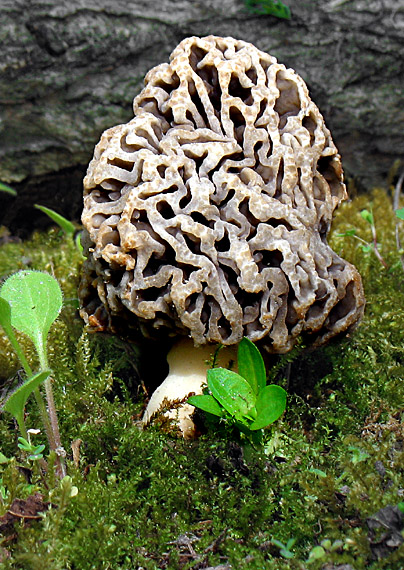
(207, 214)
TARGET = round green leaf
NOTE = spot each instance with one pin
(231, 391)
(35, 299)
(271, 403)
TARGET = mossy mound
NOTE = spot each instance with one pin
(330, 474)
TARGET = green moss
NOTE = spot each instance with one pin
(148, 500)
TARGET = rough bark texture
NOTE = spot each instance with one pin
(71, 69)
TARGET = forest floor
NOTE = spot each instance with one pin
(325, 490)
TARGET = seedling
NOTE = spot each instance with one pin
(321, 551)
(365, 245)
(30, 301)
(243, 399)
(285, 549)
(34, 452)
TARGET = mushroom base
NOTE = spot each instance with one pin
(188, 365)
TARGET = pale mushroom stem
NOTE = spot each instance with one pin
(188, 365)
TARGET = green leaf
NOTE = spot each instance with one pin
(7, 189)
(62, 222)
(286, 553)
(207, 403)
(251, 365)
(35, 451)
(316, 553)
(348, 233)
(271, 403)
(368, 216)
(400, 213)
(15, 403)
(231, 391)
(35, 299)
(5, 322)
(24, 444)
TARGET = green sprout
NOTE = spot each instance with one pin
(321, 551)
(285, 549)
(30, 301)
(34, 452)
(243, 399)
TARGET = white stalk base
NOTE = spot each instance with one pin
(187, 376)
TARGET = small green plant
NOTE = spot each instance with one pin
(321, 551)
(285, 550)
(243, 399)
(366, 246)
(30, 301)
(268, 7)
(34, 452)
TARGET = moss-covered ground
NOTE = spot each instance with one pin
(329, 476)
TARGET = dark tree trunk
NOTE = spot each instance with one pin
(71, 69)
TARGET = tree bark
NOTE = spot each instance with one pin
(71, 69)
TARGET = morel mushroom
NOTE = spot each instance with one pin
(207, 214)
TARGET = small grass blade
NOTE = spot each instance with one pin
(66, 225)
(7, 189)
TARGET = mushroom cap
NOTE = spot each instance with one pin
(207, 214)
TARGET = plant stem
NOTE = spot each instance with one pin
(54, 433)
(57, 444)
(45, 418)
(376, 249)
(23, 429)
